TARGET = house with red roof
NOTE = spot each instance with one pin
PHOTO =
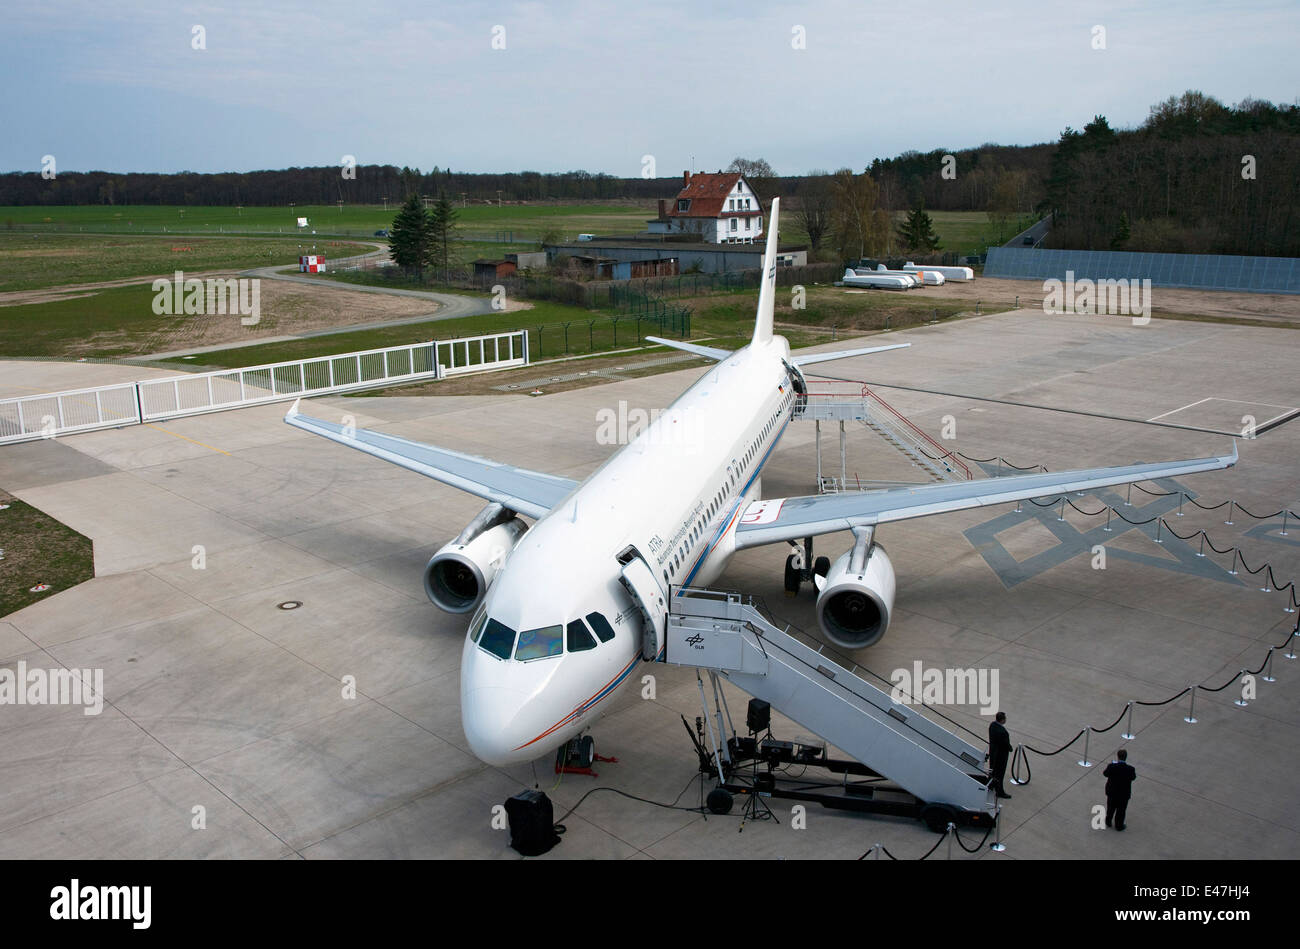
(721, 208)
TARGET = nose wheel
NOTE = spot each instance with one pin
(577, 755)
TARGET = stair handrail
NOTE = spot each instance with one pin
(842, 661)
(944, 455)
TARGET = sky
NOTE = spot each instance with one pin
(625, 88)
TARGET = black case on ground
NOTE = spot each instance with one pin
(532, 823)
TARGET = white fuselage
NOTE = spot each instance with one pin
(674, 494)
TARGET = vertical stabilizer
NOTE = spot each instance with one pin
(767, 290)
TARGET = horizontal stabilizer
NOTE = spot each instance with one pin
(708, 352)
(811, 358)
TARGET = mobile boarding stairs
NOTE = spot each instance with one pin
(904, 764)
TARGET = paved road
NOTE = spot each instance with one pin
(450, 305)
(1038, 231)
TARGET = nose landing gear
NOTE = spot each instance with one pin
(577, 756)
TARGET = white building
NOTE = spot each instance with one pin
(722, 208)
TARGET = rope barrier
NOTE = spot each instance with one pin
(1021, 772)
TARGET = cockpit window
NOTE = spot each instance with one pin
(601, 626)
(498, 639)
(579, 637)
(540, 643)
(476, 627)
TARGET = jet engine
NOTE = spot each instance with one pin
(857, 596)
(458, 576)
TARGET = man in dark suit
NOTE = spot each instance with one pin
(1120, 776)
(999, 751)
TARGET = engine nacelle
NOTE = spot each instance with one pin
(857, 598)
(458, 576)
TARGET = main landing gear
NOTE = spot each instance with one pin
(796, 567)
(577, 756)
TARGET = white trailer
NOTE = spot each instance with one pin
(949, 273)
(927, 277)
(876, 280)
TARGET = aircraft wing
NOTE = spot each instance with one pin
(532, 493)
(771, 521)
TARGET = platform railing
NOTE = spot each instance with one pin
(48, 415)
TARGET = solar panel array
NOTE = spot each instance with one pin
(1192, 271)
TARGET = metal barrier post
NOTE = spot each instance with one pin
(1127, 734)
(1190, 717)
(1087, 737)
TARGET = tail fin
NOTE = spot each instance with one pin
(767, 291)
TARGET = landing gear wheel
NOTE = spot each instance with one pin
(938, 816)
(719, 801)
(822, 566)
(792, 578)
(586, 751)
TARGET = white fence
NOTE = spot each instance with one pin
(81, 410)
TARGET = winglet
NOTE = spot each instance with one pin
(1233, 460)
(293, 409)
(767, 292)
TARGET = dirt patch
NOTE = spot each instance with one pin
(286, 309)
(1267, 308)
(76, 291)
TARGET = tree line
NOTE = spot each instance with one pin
(1197, 177)
(364, 184)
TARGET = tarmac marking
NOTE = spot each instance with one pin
(1173, 411)
(188, 439)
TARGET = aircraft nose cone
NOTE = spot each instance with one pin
(494, 726)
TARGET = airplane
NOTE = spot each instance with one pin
(563, 610)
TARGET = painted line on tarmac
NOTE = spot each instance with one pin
(188, 439)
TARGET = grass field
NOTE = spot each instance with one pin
(521, 224)
(38, 549)
(33, 261)
(110, 323)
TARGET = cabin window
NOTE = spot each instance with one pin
(578, 637)
(601, 626)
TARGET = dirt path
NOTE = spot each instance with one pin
(1218, 304)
